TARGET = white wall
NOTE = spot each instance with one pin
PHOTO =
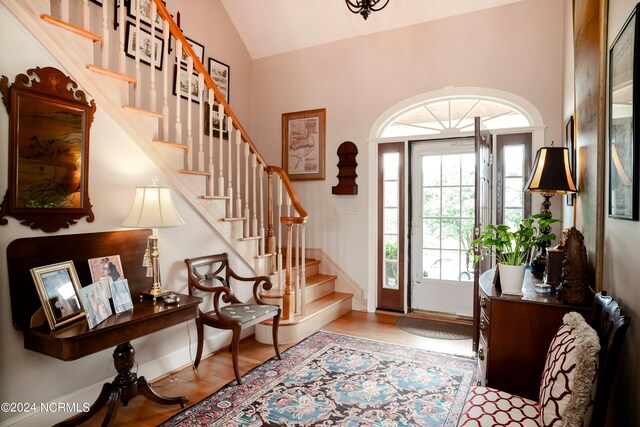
(620, 271)
(514, 48)
(116, 166)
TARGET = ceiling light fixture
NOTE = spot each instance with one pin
(365, 7)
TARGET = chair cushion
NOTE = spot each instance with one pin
(245, 313)
(569, 374)
(489, 407)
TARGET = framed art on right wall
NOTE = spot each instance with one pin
(623, 126)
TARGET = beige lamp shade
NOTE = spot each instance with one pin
(153, 207)
(551, 173)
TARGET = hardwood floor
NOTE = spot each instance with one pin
(216, 371)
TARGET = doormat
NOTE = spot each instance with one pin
(338, 380)
(434, 329)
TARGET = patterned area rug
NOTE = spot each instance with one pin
(338, 380)
(434, 329)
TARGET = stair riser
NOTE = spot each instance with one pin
(289, 334)
(312, 293)
(311, 269)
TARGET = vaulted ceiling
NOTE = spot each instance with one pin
(270, 27)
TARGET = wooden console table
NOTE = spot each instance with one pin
(77, 340)
(515, 333)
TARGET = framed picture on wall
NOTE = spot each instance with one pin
(144, 46)
(145, 12)
(181, 84)
(198, 49)
(623, 126)
(571, 146)
(304, 145)
(219, 72)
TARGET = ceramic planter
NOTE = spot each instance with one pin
(511, 279)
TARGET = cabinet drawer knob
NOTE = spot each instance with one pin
(483, 302)
(481, 354)
(483, 325)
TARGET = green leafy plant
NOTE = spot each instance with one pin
(512, 246)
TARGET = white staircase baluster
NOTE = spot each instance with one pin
(303, 272)
(220, 149)
(279, 242)
(238, 167)
(178, 124)
(104, 58)
(201, 165)
(297, 282)
(86, 15)
(165, 77)
(229, 169)
(64, 10)
(254, 221)
(247, 214)
(211, 187)
(262, 246)
(138, 85)
(189, 105)
(153, 94)
(122, 69)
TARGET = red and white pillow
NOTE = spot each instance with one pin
(566, 389)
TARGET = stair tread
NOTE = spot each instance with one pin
(315, 307)
(171, 144)
(143, 111)
(70, 27)
(318, 279)
(193, 172)
(109, 73)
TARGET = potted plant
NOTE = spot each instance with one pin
(511, 248)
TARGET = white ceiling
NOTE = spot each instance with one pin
(269, 27)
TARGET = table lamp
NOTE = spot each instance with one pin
(153, 208)
(551, 175)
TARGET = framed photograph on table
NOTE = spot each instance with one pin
(623, 126)
(144, 46)
(304, 144)
(219, 72)
(58, 287)
(107, 266)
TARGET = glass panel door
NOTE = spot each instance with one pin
(443, 209)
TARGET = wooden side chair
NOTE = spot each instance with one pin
(576, 381)
(213, 274)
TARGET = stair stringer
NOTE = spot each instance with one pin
(74, 53)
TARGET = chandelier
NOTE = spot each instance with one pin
(365, 7)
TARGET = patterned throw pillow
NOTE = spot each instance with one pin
(569, 374)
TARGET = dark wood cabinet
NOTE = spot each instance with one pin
(515, 333)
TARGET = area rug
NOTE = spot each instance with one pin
(338, 380)
(434, 328)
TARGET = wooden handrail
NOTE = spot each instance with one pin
(177, 33)
(302, 218)
(197, 65)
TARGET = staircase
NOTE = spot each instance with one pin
(322, 304)
(252, 205)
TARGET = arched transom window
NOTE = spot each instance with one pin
(454, 115)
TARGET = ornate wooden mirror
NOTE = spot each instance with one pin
(49, 121)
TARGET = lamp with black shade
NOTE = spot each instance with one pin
(153, 208)
(551, 174)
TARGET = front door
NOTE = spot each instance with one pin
(483, 212)
(442, 219)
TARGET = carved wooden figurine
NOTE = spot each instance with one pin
(574, 288)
